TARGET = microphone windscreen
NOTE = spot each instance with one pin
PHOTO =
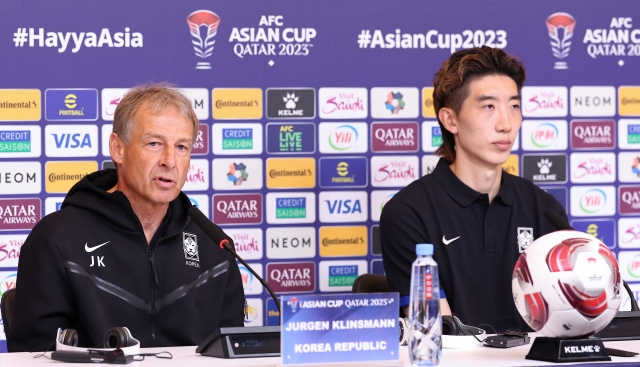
(556, 220)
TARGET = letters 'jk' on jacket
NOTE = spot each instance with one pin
(89, 267)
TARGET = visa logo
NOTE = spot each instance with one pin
(344, 206)
(72, 140)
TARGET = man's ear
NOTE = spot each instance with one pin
(116, 148)
(449, 119)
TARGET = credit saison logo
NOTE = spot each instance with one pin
(394, 137)
(291, 103)
(592, 134)
(343, 172)
(61, 176)
(629, 99)
(76, 40)
(336, 103)
(234, 104)
(338, 276)
(343, 241)
(436, 136)
(20, 141)
(431, 136)
(71, 104)
(19, 214)
(237, 208)
(294, 138)
(20, 104)
(290, 207)
(237, 139)
(545, 101)
(291, 173)
(20, 177)
(292, 277)
(291, 242)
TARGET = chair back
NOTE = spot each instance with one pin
(6, 309)
(370, 283)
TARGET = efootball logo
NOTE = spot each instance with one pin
(560, 26)
(203, 25)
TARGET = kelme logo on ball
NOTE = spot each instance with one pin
(544, 135)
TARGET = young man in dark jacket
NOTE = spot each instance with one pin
(123, 251)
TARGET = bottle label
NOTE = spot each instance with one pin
(428, 287)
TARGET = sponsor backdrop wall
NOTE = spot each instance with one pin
(313, 114)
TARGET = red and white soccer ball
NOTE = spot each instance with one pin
(567, 284)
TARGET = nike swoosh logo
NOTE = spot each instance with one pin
(90, 249)
(446, 242)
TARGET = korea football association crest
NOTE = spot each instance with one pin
(190, 246)
(525, 238)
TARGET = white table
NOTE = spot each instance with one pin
(483, 356)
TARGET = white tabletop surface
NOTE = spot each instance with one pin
(483, 356)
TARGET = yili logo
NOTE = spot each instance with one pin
(593, 200)
(633, 268)
(291, 207)
(343, 137)
(341, 276)
(379, 198)
(16, 141)
(9, 282)
(544, 135)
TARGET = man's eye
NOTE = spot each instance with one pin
(489, 106)
(182, 147)
(153, 143)
(516, 106)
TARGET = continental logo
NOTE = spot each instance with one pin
(291, 173)
(61, 176)
(20, 105)
(629, 101)
(511, 166)
(235, 104)
(343, 241)
(428, 109)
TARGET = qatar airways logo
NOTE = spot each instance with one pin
(19, 214)
(629, 199)
(544, 101)
(592, 134)
(197, 176)
(292, 277)
(237, 209)
(343, 103)
(593, 168)
(398, 171)
(394, 137)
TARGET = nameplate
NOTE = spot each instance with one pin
(339, 328)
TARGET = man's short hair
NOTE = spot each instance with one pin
(452, 80)
(155, 98)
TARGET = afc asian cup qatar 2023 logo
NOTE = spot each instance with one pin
(560, 41)
(203, 25)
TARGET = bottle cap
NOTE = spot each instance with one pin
(424, 249)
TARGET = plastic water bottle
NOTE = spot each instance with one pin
(425, 320)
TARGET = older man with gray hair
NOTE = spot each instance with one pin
(123, 251)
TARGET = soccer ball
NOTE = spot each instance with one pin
(567, 284)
